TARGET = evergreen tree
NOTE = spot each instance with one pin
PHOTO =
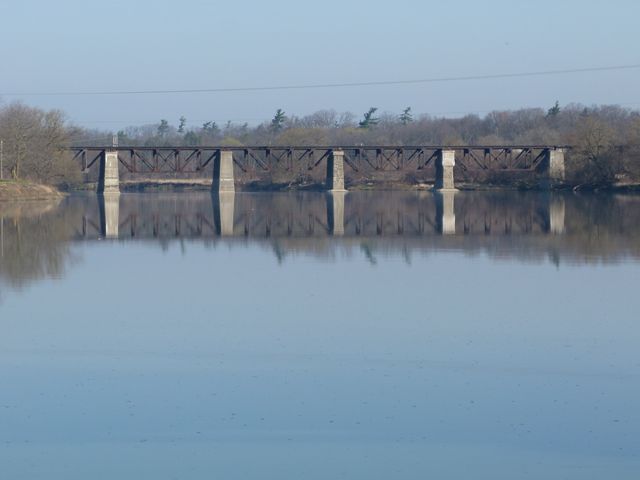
(406, 116)
(369, 120)
(554, 111)
(277, 123)
(163, 128)
(210, 127)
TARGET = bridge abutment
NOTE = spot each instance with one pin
(335, 171)
(445, 161)
(109, 179)
(223, 179)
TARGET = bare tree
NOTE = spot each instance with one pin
(34, 142)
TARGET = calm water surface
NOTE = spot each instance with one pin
(309, 336)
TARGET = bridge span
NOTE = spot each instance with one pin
(546, 162)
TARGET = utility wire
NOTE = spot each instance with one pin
(335, 85)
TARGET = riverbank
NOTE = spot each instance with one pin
(197, 184)
(22, 190)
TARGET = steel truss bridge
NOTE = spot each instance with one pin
(184, 159)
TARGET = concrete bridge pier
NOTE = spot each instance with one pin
(335, 212)
(445, 161)
(552, 168)
(223, 180)
(445, 212)
(335, 171)
(109, 206)
(109, 179)
(223, 212)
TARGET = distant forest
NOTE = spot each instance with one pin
(597, 132)
(558, 125)
(606, 139)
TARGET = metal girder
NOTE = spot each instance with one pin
(181, 159)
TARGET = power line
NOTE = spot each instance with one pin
(336, 85)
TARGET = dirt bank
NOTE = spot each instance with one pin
(12, 190)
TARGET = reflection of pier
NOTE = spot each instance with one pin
(335, 212)
(223, 207)
(445, 212)
(357, 214)
(109, 204)
(527, 226)
(556, 214)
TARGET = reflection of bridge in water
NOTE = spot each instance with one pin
(304, 215)
(527, 226)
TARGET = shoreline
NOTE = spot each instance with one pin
(18, 190)
(11, 190)
(147, 185)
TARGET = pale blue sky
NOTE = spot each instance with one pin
(80, 45)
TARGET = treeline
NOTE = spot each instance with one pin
(557, 125)
(606, 139)
(31, 140)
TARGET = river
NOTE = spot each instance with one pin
(372, 335)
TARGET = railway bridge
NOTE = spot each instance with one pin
(546, 161)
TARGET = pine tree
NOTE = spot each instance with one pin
(554, 111)
(369, 120)
(163, 128)
(279, 118)
(406, 116)
(181, 125)
(210, 127)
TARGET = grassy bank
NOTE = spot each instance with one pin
(23, 190)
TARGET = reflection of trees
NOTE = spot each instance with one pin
(520, 225)
(34, 241)
(595, 228)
